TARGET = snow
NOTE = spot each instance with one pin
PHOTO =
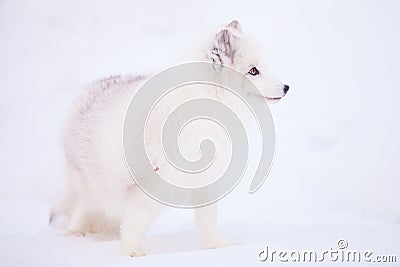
(336, 169)
(50, 248)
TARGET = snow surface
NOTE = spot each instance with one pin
(336, 171)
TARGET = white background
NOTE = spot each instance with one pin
(336, 171)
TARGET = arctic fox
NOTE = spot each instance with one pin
(101, 193)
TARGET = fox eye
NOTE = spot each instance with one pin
(254, 71)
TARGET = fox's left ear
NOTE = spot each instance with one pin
(225, 43)
(224, 47)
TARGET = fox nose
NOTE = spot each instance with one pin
(285, 88)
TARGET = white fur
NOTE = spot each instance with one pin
(101, 194)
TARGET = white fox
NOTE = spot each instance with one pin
(101, 193)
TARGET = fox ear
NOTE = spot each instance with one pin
(224, 46)
(234, 25)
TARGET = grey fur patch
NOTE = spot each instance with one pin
(223, 47)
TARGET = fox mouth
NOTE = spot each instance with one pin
(273, 98)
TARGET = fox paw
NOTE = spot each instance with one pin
(136, 252)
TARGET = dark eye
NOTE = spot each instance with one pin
(254, 71)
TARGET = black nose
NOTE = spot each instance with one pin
(285, 88)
